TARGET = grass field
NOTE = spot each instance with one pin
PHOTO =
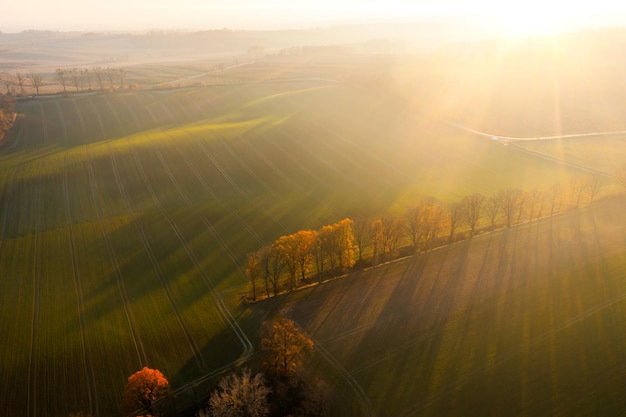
(605, 153)
(527, 321)
(124, 217)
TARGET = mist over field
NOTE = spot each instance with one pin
(426, 202)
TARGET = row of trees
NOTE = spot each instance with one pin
(296, 259)
(280, 388)
(81, 79)
(330, 248)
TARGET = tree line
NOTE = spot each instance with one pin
(309, 256)
(78, 79)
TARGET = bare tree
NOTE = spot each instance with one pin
(555, 195)
(110, 74)
(122, 74)
(577, 189)
(276, 265)
(592, 186)
(61, 76)
(99, 73)
(253, 270)
(76, 76)
(455, 213)
(8, 84)
(533, 199)
(472, 210)
(433, 220)
(413, 219)
(36, 80)
(244, 395)
(522, 202)
(363, 234)
(21, 80)
(86, 76)
(492, 209)
(509, 203)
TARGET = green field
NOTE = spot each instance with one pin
(125, 216)
(526, 321)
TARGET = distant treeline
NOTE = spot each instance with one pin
(7, 114)
(309, 256)
(79, 79)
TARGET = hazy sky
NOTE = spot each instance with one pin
(88, 15)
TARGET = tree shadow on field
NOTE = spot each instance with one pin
(416, 311)
(193, 385)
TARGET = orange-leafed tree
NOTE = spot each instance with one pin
(146, 391)
(306, 241)
(288, 247)
(284, 347)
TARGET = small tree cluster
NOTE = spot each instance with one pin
(285, 348)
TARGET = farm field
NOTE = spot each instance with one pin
(604, 153)
(125, 217)
(525, 321)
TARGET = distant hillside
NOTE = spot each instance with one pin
(46, 48)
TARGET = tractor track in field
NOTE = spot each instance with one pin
(128, 312)
(9, 192)
(288, 156)
(241, 192)
(245, 166)
(198, 358)
(272, 166)
(354, 384)
(33, 364)
(89, 372)
(500, 359)
(225, 314)
(79, 292)
(222, 310)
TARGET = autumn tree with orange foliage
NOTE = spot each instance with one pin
(284, 348)
(146, 390)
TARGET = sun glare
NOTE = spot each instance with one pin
(533, 19)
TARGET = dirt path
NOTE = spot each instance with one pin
(511, 141)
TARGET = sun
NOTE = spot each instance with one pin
(533, 18)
